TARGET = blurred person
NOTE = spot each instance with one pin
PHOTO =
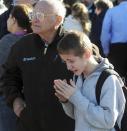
(78, 97)
(90, 6)
(31, 68)
(102, 5)
(113, 37)
(68, 5)
(78, 20)
(68, 9)
(101, 8)
(9, 4)
(2, 7)
(18, 25)
(4, 16)
(70, 2)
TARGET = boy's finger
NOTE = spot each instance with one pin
(72, 83)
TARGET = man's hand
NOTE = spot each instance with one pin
(18, 106)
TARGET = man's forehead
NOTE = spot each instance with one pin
(43, 6)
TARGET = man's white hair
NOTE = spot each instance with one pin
(58, 7)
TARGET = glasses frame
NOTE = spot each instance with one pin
(39, 15)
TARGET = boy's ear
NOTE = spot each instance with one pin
(87, 54)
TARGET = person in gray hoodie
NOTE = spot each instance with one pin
(79, 100)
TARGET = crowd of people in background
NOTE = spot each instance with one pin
(44, 44)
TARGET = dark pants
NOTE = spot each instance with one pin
(7, 117)
(28, 122)
(118, 58)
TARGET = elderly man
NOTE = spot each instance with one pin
(31, 68)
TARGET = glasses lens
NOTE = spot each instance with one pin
(39, 16)
(36, 15)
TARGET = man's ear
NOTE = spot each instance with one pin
(58, 20)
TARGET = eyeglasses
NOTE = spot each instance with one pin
(38, 15)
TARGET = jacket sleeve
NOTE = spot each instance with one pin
(112, 103)
(4, 51)
(3, 24)
(106, 33)
(12, 79)
(69, 109)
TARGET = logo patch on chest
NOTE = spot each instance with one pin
(29, 59)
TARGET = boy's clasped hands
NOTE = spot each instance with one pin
(63, 90)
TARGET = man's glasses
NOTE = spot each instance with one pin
(38, 15)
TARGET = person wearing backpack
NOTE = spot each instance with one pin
(78, 96)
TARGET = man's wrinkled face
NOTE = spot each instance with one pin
(43, 18)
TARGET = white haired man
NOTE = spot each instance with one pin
(31, 68)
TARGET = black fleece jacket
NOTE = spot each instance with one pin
(29, 73)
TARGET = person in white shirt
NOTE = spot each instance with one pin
(78, 20)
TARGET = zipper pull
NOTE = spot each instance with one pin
(45, 48)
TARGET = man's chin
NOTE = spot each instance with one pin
(36, 31)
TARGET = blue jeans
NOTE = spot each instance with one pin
(7, 117)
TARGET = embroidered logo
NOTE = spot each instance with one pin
(29, 59)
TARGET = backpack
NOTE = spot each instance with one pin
(103, 76)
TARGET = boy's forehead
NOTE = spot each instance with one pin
(68, 55)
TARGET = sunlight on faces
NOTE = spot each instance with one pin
(76, 64)
(43, 18)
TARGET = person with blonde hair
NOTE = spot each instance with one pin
(79, 19)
